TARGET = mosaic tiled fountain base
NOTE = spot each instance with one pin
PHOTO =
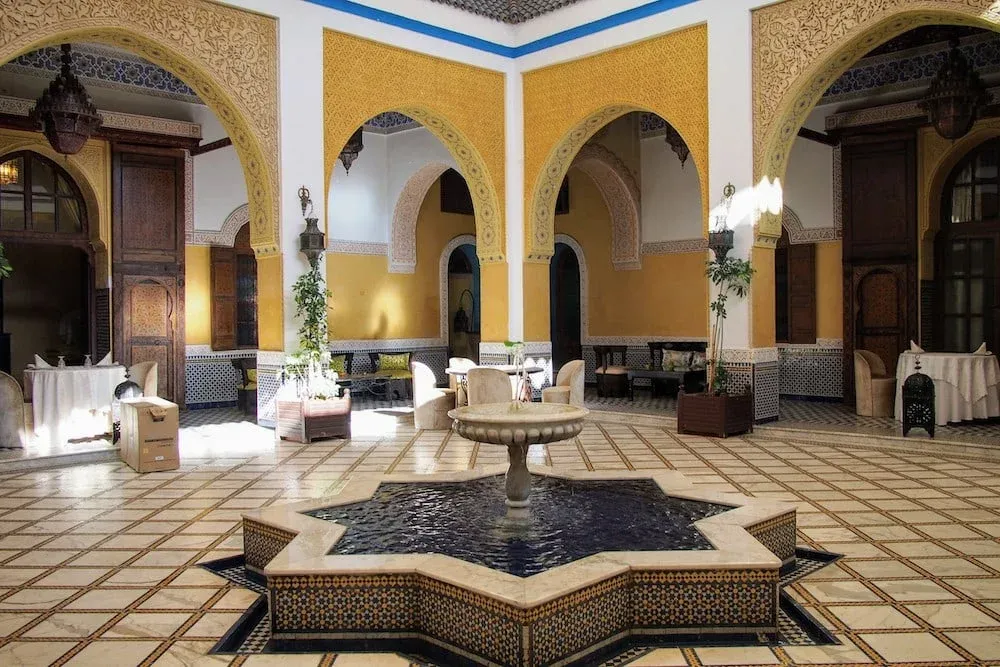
(480, 615)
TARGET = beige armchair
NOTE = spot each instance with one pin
(488, 385)
(11, 412)
(430, 404)
(145, 374)
(568, 387)
(874, 391)
(457, 383)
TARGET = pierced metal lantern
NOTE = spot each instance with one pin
(354, 146)
(721, 241)
(126, 389)
(65, 113)
(956, 96)
(312, 242)
(677, 144)
(918, 402)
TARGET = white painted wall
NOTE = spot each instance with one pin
(362, 202)
(219, 183)
(671, 195)
(809, 183)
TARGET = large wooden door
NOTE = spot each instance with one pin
(565, 308)
(880, 248)
(148, 262)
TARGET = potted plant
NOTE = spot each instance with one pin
(716, 411)
(311, 404)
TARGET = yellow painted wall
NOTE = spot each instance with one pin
(829, 290)
(197, 295)
(371, 303)
(668, 297)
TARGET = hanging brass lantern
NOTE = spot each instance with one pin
(65, 112)
(677, 144)
(353, 148)
(955, 97)
(312, 242)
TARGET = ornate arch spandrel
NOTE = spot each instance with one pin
(800, 47)
(403, 233)
(227, 55)
(622, 197)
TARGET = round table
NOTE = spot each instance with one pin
(72, 401)
(462, 373)
(965, 385)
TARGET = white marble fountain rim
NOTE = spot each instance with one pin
(524, 413)
(308, 553)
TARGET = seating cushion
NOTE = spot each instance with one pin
(252, 376)
(698, 362)
(612, 370)
(249, 386)
(555, 395)
(338, 364)
(674, 360)
(394, 362)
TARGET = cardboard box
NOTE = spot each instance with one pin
(149, 434)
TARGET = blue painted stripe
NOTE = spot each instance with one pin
(621, 18)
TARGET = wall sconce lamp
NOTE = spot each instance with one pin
(312, 242)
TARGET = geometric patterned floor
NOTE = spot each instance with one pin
(98, 565)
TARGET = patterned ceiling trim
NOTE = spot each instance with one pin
(911, 68)
(15, 106)
(884, 114)
(390, 122)
(509, 11)
(104, 67)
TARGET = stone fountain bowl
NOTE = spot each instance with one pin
(518, 423)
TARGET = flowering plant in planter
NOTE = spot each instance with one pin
(310, 367)
(730, 276)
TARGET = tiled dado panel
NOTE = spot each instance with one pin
(261, 543)
(778, 535)
(812, 371)
(435, 357)
(927, 314)
(210, 380)
(766, 380)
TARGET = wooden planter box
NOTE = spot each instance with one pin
(720, 415)
(310, 419)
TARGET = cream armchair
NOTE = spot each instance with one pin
(457, 383)
(430, 404)
(488, 385)
(145, 374)
(11, 412)
(568, 387)
(874, 391)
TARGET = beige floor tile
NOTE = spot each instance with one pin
(13, 621)
(213, 624)
(949, 531)
(126, 653)
(71, 576)
(101, 557)
(35, 598)
(984, 645)
(291, 660)
(953, 615)
(916, 589)
(164, 559)
(198, 576)
(238, 598)
(876, 617)
(191, 654)
(11, 576)
(135, 576)
(910, 647)
(840, 591)
(887, 569)
(178, 598)
(106, 599)
(737, 655)
(146, 625)
(845, 652)
(32, 654)
(916, 549)
(370, 660)
(41, 558)
(69, 624)
(661, 657)
(977, 589)
(948, 567)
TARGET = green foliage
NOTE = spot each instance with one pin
(311, 297)
(730, 276)
(5, 267)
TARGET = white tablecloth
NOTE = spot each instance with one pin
(73, 402)
(965, 385)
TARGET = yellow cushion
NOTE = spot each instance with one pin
(338, 364)
(394, 362)
(250, 386)
(252, 376)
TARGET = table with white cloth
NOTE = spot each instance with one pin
(73, 401)
(510, 369)
(965, 385)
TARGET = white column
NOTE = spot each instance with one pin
(730, 141)
(301, 87)
(514, 217)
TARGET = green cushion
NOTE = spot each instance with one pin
(338, 364)
(394, 362)
(250, 386)
(252, 376)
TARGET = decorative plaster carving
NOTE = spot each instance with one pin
(581, 259)
(460, 104)
(674, 247)
(800, 47)
(799, 235)
(189, 198)
(227, 56)
(346, 247)
(403, 234)
(449, 248)
(226, 236)
(568, 103)
(621, 195)
(838, 191)
(16, 106)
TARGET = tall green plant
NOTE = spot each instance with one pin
(311, 297)
(730, 276)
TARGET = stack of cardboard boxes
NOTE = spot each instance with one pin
(149, 434)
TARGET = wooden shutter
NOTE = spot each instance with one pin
(802, 293)
(223, 298)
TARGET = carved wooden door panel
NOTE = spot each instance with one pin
(149, 304)
(880, 312)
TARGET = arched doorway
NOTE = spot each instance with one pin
(565, 305)
(463, 302)
(47, 303)
(967, 261)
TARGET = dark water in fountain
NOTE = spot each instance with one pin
(568, 520)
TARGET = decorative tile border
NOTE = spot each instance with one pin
(812, 370)
(226, 236)
(210, 380)
(346, 247)
(798, 235)
(674, 247)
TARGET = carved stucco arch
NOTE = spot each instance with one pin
(233, 224)
(485, 201)
(622, 197)
(227, 56)
(800, 47)
(540, 225)
(450, 247)
(581, 259)
(403, 227)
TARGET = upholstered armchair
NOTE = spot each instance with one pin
(874, 390)
(11, 412)
(457, 383)
(246, 390)
(568, 387)
(488, 385)
(430, 404)
(145, 374)
(612, 378)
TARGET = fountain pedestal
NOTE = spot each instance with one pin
(518, 426)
